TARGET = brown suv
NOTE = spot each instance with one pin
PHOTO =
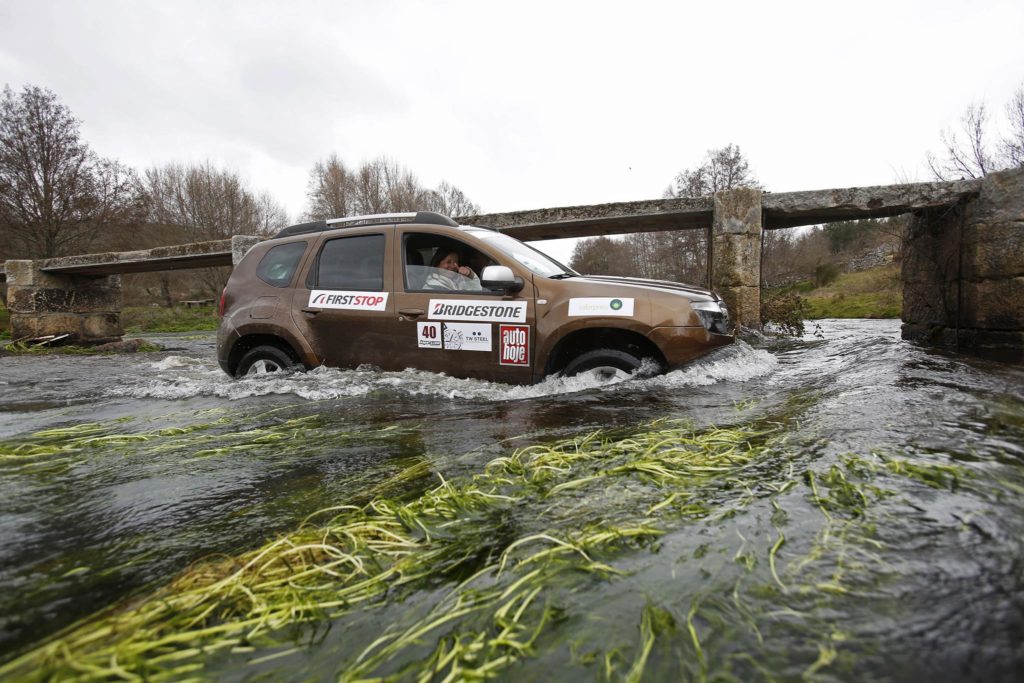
(421, 291)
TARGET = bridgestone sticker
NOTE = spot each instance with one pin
(601, 306)
(428, 335)
(515, 344)
(477, 311)
(466, 336)
(352, 301)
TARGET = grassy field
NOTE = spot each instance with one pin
(874, 293)
(141, 319)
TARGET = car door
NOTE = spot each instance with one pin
(343, 305)
(481, 334)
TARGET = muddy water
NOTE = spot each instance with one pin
(117, 473)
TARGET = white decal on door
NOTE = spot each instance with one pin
(478, 311)
(596, 305)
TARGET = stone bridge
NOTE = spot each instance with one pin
(962, 271)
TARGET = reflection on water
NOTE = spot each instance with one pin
(877, 532)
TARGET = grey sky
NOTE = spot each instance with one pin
(520, 104)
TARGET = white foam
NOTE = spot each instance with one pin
(178, 377)
(172, 362)
(736, 363)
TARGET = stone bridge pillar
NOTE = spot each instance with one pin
(40, 304)
(963, 270)
(735, 254)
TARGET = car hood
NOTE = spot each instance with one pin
(691, 292)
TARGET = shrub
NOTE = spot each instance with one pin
(825, 274)
(786, 310)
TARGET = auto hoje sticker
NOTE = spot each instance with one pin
(514, 346)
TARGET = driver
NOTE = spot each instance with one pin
(449, 275)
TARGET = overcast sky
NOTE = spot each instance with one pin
(520, 104)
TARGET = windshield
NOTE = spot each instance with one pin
(524, 254)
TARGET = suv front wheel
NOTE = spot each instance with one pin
(606, 365)
(264, 359)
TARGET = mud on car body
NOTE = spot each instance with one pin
(361, 291)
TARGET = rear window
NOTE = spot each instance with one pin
(278, 265)
(352, 263)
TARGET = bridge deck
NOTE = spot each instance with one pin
(781, 210)
(195, 255)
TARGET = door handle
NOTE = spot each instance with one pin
(411, 312)
(310, 312)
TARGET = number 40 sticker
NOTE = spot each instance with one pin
(428, 335)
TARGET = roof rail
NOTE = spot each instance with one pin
(428, 217)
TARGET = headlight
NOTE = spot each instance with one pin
(714, 316)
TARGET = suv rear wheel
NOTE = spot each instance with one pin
(262, 360)
(606, 365)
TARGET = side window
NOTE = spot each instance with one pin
(278, 265)
(352, 263)
(432, 262)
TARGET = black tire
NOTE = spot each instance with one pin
(262, 360)
(609, 364)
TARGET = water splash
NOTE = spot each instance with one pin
(179, 377)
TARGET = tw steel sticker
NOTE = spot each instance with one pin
(514, 344)
(353, 301)
(466, 336)
(428, 335)
(600, 305)
(478, 311)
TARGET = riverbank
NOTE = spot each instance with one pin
(142, 319)
(875, 294)
(147, 319)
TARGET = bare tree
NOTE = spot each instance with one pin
(207, 203)
(450, 201)
(723, 169)
(601, 256)
(270, 214)
(378, 186)
(201, 203)
(56, 194)
(330, 189)
(1013, 143)
(970, 159)
(382, 186)
(972, 153)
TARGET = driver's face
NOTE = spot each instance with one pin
(450, 262)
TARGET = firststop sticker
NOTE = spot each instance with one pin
(514, 344)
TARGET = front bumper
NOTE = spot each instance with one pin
(680, 345)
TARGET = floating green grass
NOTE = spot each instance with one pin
(66, 446)
(482, 588)
(20, 348)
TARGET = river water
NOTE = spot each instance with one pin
(864, 518)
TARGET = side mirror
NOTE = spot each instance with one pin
(501, 277)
